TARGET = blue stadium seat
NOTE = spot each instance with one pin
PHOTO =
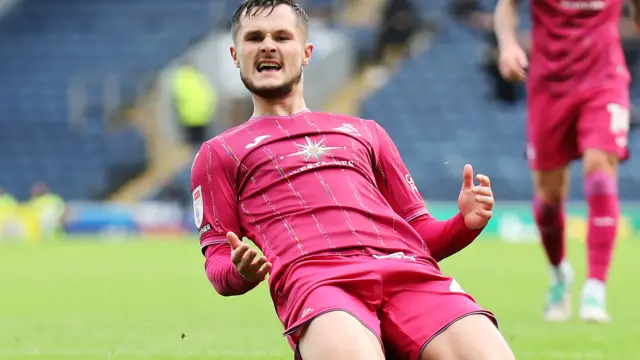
(44, 45)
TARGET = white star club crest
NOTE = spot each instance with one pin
(313, 150)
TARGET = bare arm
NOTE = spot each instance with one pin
(635, 11)
(506, 22)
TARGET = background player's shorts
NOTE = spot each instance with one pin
(404, 302)
(561, 128)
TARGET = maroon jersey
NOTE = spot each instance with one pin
(306, 184)
(576, 45)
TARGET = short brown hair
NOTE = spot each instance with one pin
(250, 8)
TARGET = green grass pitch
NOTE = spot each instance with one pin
(151, 300)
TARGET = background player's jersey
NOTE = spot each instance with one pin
(313, 183)
(576, 45)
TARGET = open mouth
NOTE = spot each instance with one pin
(268, 66)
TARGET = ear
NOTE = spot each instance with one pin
(308, 51)
(234, 56)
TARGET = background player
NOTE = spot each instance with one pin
(327, 198)
(578, 102)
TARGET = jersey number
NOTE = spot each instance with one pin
(619, 118)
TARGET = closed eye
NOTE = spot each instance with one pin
(254, 36)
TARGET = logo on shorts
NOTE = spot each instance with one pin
(306, 312)
(455, 287)
(198, 206)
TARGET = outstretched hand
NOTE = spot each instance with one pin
(475, 202)
(244, 259)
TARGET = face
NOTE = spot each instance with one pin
(270, 51)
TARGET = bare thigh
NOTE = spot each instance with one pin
(473, 337)
(337, 335)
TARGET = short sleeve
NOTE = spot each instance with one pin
(393, 178)
(214, 198)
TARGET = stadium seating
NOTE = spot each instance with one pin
(43, 46)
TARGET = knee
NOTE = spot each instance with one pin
(600, 173)
(551, 186)
(596, 161)
(552, 197)
(600, 183)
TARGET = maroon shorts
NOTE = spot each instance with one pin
(404, 302)
(561, 128)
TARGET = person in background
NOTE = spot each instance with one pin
(49, 209)
(8, 209)
(400, 21)
(578, 100)
(195, 102)
(475, 16)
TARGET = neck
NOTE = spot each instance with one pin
(288, 105)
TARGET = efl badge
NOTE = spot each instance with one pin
(198, 206)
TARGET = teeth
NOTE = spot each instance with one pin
(268, 65)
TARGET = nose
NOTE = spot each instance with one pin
(268, 46)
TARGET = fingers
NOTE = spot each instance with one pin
(513, 67)
(482, 190)
(517, 74)
(467, 177)
(523, 62)
(239, 253)
(488, 201)
(485, 213)
(485, 186)
(513, 73)
(483, 180)
(263, 271)
(234, 241)
(244, 258)
(247, 259)
(257, 264)
(521, 66)
(484, 194)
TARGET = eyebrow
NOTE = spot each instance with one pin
(261, 32)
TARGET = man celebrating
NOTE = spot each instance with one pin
(349, 245)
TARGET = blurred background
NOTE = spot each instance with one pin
(104, 101)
